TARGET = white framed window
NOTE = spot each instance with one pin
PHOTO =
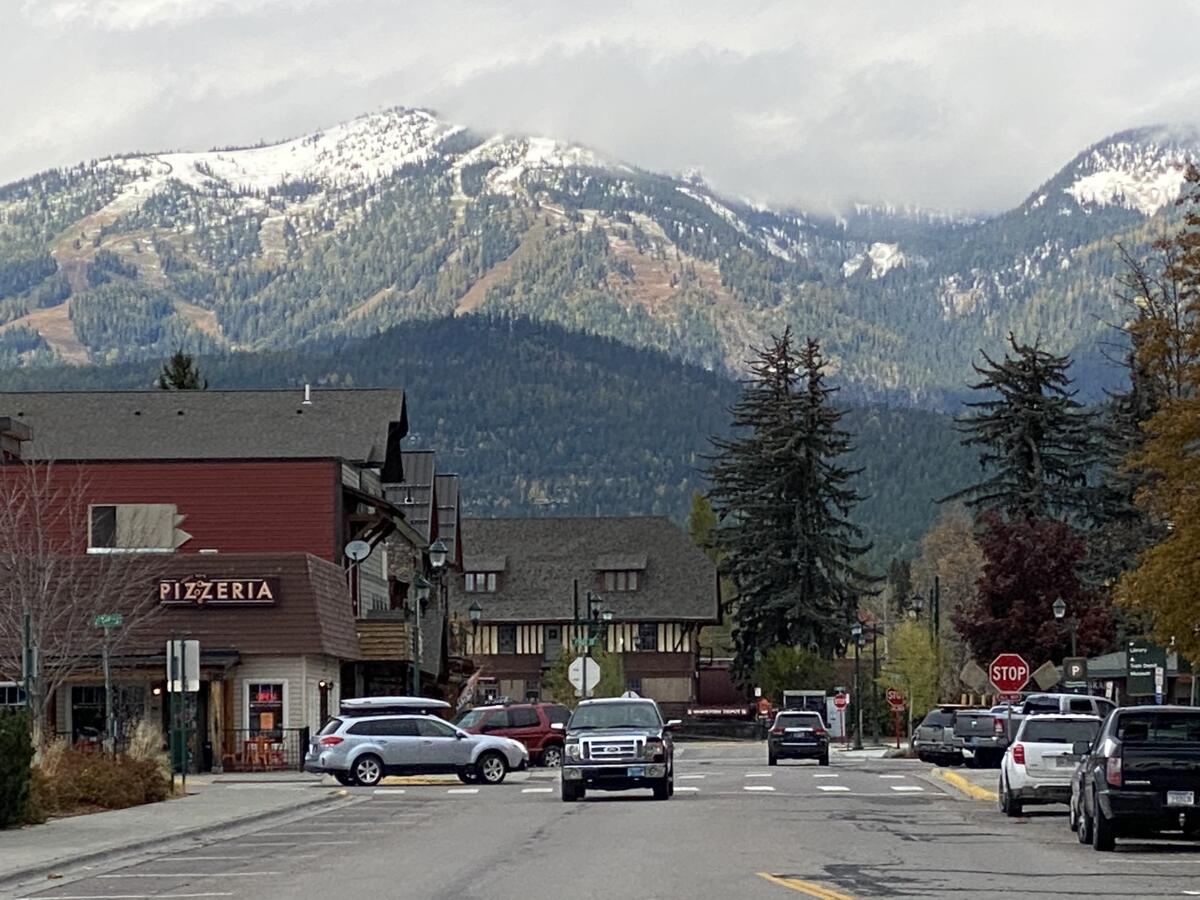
(621, 581)
(266, 704)
(491, 582)
(469, 580)
(11, 694)
(132, 528)
(480, 582)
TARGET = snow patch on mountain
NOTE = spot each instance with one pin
(1142, 171)
(768, 241)
(883, 258)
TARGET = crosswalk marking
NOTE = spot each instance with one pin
(906, 787)
(758, 787)
(758, 774)
(891, 776)
(463, 791)
(537, 791)
(379, 791)
(825, 775)
(832, 787)
(691, 776)
(686, 790)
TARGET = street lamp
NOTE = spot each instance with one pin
(422, 586)
(1060, 609)
(437, 554)
(917, 603)
(597, 621)
(856, 632)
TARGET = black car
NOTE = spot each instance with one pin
(618, 744)
(798, 735)
(1140, 776)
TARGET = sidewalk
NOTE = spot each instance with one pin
(36, 850)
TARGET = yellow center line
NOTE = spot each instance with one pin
(812, 888)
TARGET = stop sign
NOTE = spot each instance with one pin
(895, 698)
(1008, 673)
(841, 701)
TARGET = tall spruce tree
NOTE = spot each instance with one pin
(179, 373)
(1038, 441)
(782, 499)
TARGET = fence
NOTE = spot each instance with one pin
(245, 750)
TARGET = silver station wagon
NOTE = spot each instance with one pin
(376, 736)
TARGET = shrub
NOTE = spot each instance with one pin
(16, 758)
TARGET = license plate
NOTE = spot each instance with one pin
(1064, 762)
(1181, 798)
(637, 771)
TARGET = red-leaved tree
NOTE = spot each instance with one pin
(1028, 564)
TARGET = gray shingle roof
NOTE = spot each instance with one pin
(448, 514)
(414, 495)
(545, 555)
(356, 425)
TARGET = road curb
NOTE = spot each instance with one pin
(13, 879)
(974, 791)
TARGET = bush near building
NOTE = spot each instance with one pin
(16, 757)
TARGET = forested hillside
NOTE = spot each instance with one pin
(539, 420)
(400, 216)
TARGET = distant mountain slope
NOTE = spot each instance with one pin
(400, 216)
(539, 420)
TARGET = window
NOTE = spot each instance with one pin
(621, 581)
(633, 684)
(11, 695)
(799, 720)
(1081, 705)
(434, 728)
(480, 581)
(647, 636)
(87, 713)
(497, 720)
(523, 717)
(1059, 731)
(132, 526)
(264, 706)
(1160, 727)
(562, 715)
(506, 639)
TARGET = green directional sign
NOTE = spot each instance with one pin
(108, 620)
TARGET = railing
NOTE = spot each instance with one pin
(281, 749)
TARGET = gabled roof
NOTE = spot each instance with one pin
(358, 425)
(448, 514)
(414, 495)
(545, 556)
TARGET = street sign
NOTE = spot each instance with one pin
(1075, 673)
(1142, 658)
(580, 666)
(107, 620)
(841, 701)
(1008, 673)
(1047, 675)
(183, 666)
(895, 698)
(973, 676)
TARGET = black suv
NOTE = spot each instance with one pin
(618, 744)
(1141, 775)
(798, 735)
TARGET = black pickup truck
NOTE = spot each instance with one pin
(1140, 776)
(618, 744)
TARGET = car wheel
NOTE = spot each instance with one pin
(1010, 804)
(824, 760)
(572, 792)
(368, 770)
(1072, 816)
(467, 776)
(1103, 837)
(772, 760)
(662, 790)
(552, 756)
(344, 778)
(491, 768)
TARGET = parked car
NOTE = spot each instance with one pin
(618, 744)
(1038, 765)
(798, 735)
(1141, 775)
(980, 736)
(984, 743)
(533, 724)
(378, 736)
(933, 739)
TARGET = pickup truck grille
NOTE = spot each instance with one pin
(603, 749)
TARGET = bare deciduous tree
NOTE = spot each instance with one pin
(48, 577)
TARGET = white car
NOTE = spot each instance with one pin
(1038, 765)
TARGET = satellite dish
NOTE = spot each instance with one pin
(357, 550)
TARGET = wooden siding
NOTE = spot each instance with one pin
(384, 640)
(266, 506)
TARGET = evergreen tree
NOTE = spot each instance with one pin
(1037, 440)
(180, 374)
(783, 505)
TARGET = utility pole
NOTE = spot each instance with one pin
(875, 682)
(856, 636)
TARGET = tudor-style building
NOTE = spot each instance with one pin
(523, 574)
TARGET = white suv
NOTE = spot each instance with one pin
(1038, 764)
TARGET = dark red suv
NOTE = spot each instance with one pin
(530, 723)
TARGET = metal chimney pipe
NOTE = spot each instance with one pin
(308, 395)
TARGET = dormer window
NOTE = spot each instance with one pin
(480, 582)
(622, 581)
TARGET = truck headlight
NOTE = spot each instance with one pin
(653, 749)
(572, 751)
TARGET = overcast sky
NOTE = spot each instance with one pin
(964, 106)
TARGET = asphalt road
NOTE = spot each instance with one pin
(735, 829)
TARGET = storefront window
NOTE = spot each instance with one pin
(265, 707)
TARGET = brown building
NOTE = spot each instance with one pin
(524, 574)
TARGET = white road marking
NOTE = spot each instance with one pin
(293, 843)
(379, 791)
(316, 832)
(832, 787)
(227, 858)
(135, 896)
(906, 787)
(463, 791)
(686, 790)
(691, 776)
(826, 775)
(537, 790)
(758, 787)
(891, 776)
(187, 874)
(759, 774)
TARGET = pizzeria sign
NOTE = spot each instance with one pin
(200, 590)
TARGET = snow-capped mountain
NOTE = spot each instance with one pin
(400, 214)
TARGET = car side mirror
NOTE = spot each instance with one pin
(1081, 748)
(674, 724)
(558, 726)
